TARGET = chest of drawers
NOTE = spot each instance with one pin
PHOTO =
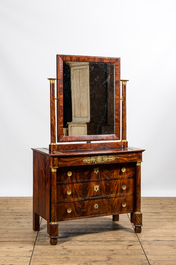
(88, 169)
(70, 185)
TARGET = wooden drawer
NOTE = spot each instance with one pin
(73, 174)
(117, 170)
(82, 159)
(97, 172)
(95, 207)
(95, 188)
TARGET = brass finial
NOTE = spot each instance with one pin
(124, 81)
(138, 163)
(52, 80)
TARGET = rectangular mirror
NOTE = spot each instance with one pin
(88, 98)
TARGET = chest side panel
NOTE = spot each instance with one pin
(41, 185)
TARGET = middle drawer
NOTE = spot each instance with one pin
(68, 192)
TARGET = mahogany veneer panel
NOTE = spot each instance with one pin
(85, 208)
(86, 189)
(78, 160)
(41, 185)
(86, 173)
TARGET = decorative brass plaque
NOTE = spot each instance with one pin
(98, 159)
(123, 169)
(69, 173)
(96, 188)
(53, 223)
(96, 170)
(124, 187)
(138, 163)
(69, 210)
(69, 192)
(53, 169)
(123, 204)
(96, 206)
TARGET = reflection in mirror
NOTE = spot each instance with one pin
(88, 94)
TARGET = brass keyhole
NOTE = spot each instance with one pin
(96, 170)
(96, 188)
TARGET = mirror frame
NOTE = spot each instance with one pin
(60, 59)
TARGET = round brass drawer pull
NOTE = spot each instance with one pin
(69, 192)
(123, 204)
(69, 173)
(96, 206)
(124, 187)
(123, 169)
(69, 210)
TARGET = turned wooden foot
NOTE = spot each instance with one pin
(136, 219)
(53, 241)
(36, 224)
(53, 232)
(137, 229)
(115, 217)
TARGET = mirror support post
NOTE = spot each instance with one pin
(124, 140)
(52, 111)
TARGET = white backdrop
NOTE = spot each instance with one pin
(142, 33)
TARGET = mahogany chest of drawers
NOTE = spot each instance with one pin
(70, 185)
(88, 169)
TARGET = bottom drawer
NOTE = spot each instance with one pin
(71, 210)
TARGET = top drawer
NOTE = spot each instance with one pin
(97, 159)
(92, 173)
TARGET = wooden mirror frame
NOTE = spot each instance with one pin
(60, 59)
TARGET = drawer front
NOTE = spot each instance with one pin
(95, 189)
(73, 174)
(87, 173)
(96, 207)
(118, 170)
(98, 159)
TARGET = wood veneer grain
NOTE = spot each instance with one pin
(86, 208)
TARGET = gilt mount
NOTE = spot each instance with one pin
(98, 159)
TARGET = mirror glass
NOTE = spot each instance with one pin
(88, 98)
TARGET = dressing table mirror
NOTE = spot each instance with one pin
(88, 170)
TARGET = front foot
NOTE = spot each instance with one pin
(53, 241)
(136, 219)
(137, 229)
(53, 232)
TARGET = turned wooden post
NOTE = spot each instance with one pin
(53, 225)
(138, 187)
(136, 217)
(52, 111)
(124, 140)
